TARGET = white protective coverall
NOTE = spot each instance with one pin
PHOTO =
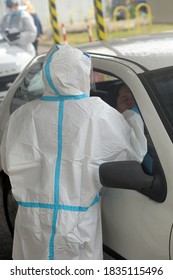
(51, 150)
(20, 21)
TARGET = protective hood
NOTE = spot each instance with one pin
(66, 71)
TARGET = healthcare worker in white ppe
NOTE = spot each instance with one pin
(18, 26)
(52, 149)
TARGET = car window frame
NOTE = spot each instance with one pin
(146, 79)
(112, 74)
(157, 170)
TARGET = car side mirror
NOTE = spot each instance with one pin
(130, 175)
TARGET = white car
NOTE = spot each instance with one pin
(137, 200)
(12, 61)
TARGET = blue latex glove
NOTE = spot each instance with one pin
(135, 109)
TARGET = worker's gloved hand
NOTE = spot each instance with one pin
(12, 36)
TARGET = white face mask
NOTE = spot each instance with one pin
(11, 10)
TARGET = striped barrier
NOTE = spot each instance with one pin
(54, 21)
(100, 26)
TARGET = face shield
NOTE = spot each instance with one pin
(92, 76)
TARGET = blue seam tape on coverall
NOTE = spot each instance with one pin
(62, 97)
(58, 206)
(47, 72)
(58, 160)
(56, 180)
(55, 207)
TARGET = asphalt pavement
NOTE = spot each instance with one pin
(5, 237)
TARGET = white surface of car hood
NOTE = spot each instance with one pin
(12, 59)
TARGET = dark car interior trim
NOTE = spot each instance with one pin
(112, 253)
(150, 88)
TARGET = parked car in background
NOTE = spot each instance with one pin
(12, 61)
(137, 208)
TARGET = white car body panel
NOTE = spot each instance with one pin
(130, 239)
(134, 226)
(12, 59)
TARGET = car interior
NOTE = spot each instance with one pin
(107, 91)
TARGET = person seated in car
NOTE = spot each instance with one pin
(125, 100)
(126, 105)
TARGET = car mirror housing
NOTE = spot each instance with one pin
(130, 175)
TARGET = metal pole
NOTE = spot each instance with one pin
(54, 21)
(100, 26)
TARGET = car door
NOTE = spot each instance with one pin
(137, 222)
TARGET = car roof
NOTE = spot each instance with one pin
(151, 51)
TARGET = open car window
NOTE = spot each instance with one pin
(103, 85)
(159, 84)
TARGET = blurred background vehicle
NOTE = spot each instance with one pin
(13, 59)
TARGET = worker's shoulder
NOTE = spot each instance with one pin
(26, 109)
(101, 104)
(98, 107)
